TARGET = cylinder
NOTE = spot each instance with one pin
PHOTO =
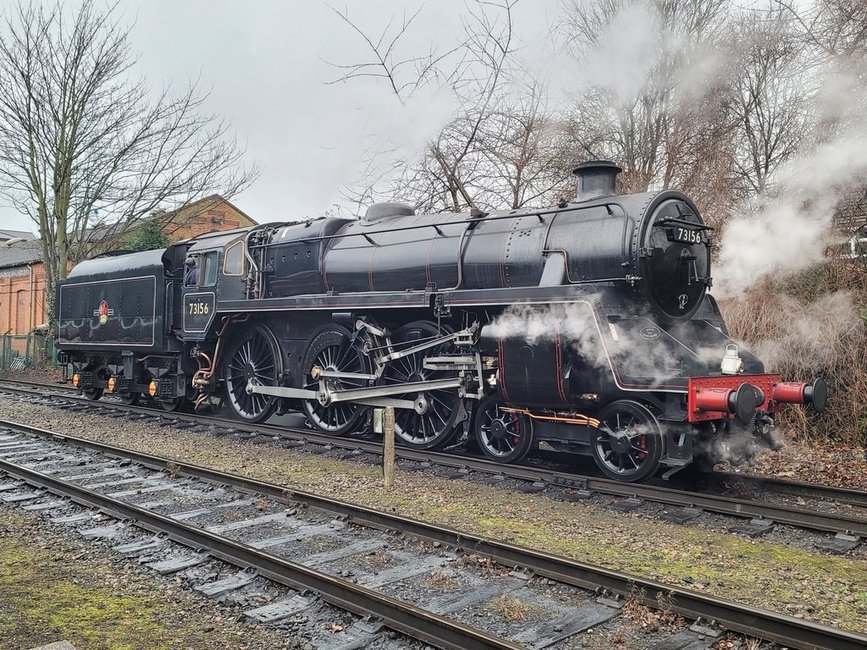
(796, 392)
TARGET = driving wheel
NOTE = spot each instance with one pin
(333, 348)
(435, 427)
(253, 356)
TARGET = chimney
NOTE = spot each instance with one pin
(596, 178)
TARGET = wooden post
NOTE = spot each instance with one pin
(388, 447)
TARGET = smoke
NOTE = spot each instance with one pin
(810, 334)
(575, 323)
(638, 52)
(790, 229)
(651, 360)
(790, 232)
(626, 52)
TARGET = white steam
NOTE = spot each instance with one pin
(574, 323)
(636, 53)
(810, 332)
(651, 360)
(791, 230)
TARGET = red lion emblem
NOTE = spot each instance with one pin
(103, 312)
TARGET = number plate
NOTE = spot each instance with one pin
(685, 235)
(198, 311)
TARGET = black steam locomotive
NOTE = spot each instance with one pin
(586, 326)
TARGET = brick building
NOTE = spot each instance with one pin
(22, 283)
(22, 275)
(205, 215)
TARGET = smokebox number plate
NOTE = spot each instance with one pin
(685, 235)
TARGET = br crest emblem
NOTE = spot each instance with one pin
(103, 312)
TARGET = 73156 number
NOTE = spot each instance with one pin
(688, 235)
(199, 308)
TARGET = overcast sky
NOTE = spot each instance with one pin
(264, 61)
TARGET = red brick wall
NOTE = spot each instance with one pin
(199, 219)
(22, 303)
(23, 307)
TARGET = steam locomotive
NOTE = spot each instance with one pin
(587, 326)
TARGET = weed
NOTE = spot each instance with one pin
(509, 607)
(441, 580)
(661, 619)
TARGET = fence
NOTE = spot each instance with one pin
(27, 352)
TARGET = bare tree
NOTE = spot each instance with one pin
(526, 154)
(771, 94)
(500, 148)
(84, 144)
(651, 126)
(838, 28)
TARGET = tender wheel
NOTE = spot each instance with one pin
(253, 355)
(130, 399)
(632, 450)
(503, 436)
(332, 348)
(436, 426)
(174, 405)
(92, 394)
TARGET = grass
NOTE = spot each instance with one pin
(756, 572)
(810, 324)
(63, 591)
(510, 608)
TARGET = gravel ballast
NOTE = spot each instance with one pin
(832, 590)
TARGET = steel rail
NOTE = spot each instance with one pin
(398, 615)
(734, 616)
(731, 506)
(811, 490)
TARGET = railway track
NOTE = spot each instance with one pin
(246, 523)
(847, 529)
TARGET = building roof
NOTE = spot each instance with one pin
(20, 253)
(105, 231)
(15, 234)
(212, 201)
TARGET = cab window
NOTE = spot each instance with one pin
(233, 260)
(209, 270)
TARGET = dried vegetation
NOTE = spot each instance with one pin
(661, 619)
(813, 323)
(510, 608)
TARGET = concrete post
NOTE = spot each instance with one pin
(388, 447)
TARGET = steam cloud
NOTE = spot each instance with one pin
(791, 230)
(653, 360)
(810, 332)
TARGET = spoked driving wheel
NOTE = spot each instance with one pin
(629, 442)
(333, 349)
(435, 427)
(502, 434)
(253, 356)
